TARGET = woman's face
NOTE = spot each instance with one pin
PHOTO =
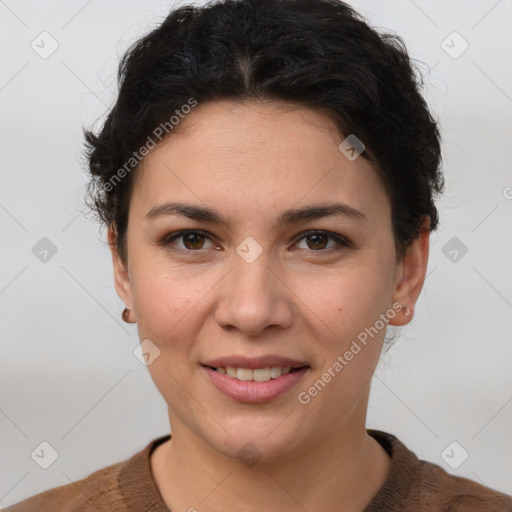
(266, 281)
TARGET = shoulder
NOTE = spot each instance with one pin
(419, 485)
(120, 487)
(92, 493)
(442, 491)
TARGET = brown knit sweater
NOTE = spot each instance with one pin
(412, 486)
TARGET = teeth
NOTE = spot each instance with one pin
(258, 374)
(231, 371)
(275, 372)
(244, 374)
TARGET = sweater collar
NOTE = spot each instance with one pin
(139, 490)
(136, 482)
(397, 486)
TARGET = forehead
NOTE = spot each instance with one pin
(256, 156)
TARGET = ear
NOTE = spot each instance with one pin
(410, 274)
(121, 281)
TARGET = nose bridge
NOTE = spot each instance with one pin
(251, 260)
(251, 298)
(251, 280)
(253, 275)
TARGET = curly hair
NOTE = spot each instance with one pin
(318, 53)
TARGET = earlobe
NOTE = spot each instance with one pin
(121, 281)
(411, 275)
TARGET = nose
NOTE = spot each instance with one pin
(252, 297)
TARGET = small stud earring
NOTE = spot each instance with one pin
(407, 311)
(126, 316)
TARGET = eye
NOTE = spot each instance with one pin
(318, 241)
(192, 241)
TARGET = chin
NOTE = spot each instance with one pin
(256, 441)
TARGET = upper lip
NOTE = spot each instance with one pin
(254, 362)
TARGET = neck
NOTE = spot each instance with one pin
(344, 471)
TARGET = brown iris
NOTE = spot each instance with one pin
(193, 240)
(319, 241)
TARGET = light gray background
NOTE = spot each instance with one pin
(68, 375)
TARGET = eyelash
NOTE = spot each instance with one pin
(167, 241)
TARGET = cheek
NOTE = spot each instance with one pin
(167, 310)
(345, 302)
(166, 302)
(348, 334)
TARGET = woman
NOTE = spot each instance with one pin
(267, 177)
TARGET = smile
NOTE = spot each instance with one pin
(254, 385)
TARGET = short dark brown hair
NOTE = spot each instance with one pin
(319, 53)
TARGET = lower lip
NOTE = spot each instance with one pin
(251, 392)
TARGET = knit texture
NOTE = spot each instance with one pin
(412, 485)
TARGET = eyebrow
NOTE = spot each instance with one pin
(293, 216)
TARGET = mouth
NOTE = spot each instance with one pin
(256, 380)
